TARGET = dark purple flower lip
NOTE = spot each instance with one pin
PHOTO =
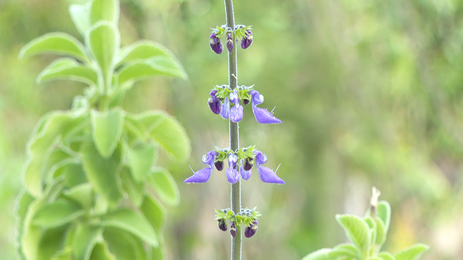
(229, 42)
(233, 229)
(219, 165)
(215, 44)
(221, 224)
(251, 230)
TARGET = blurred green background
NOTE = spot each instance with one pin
(370, 93)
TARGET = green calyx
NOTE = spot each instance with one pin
(245, 217)
(242, 153)
(224, 91)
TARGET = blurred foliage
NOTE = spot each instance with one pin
(369, 93)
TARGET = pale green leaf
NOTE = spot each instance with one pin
(104, 10)
(103, 40)
(80, 15)
(84, 241)
(132, 222)
(57, 213)
(141, 158)
(167, 131)
(412, 252)
(158, 66)
(320, 254)
(357, 231)
(64, 254)
(143, 50)
(134, 127)
(74, 174)
(380, 233)
(82, 194)
(344, 250)
(107, 130)
(134, 189)
(24, 200)
(55, 43)
(51, 242)
(384, 213)
(375, 258)
(154, 212)
(124, 245)
(159, 253)
(165, 186)
(101, 252)
(68, 69)
(103, 173)
(386, 256)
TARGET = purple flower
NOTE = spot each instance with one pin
(232, 173)
(245, 174)
(236, 112)
(225, 113)
(215, 44)
(266, 174)
(229, 42)
(262, 115)
(203, 174)
(221, 224)
(247, 40)
(214, 102)
(233, 229)
(251, 230)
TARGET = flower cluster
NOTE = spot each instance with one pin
(222, 96)
(241, 32)
(240, 164)
(246, 217)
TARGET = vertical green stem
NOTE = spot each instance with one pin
(235, 194)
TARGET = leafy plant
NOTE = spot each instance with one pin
(90, 180)
(367, 235)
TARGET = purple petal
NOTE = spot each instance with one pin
(245, 174)
(219, 165)
(236, 113)
(229, 42)
(263, 116)
(225, 113)
(233, 229)
(232, 175)
(221, 224)
(200, 176)
(251, 230)
(234, 97)
(214, 105)
(209, 158)
(260, 157)
(248, 163)
(267, 175)
(216, 45)
(256, 97)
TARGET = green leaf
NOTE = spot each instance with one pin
(412, 252)
(104, 10)
(64, 254)
(80, 15)
(124, 245)
(133, 223)
(103, 40)
(68, 69)
(135, 128)
(154, 212)
(380, 233)
(55, 43)
(103, 173)
(107, 130)
(159, 253)
(168, 132)
(141, 157)
(159, 66)
(320, 254)
(57, 214)
(386, 256)
(384, 213)
(101, 252)
(82, 194)
(165, 186)
(84, 241)
(357, 231)
(52, 242)
(143, 50)
(374, 258)
(74, 174)
(24, 200)
(134, 189)
(344, 250)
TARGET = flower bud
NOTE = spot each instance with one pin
(229, 42)
(221, 224)
(246, 101)
(248, 163)
(215, 44)
(233, 229)
(219, 165)
(247, 40)
(251, 230)
(214, 105)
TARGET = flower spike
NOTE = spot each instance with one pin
(262, 115)
(204, 174)
(266, 174)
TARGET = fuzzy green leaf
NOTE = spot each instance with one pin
(143, 50)
(80, 15)
(165, 186)
(82, 194)
(55, 43)
(134, 189)
(344, 250)
(386, 256)
(107, 130)
(133, 223)
(384, 213)
(357, 231)
(101, 252)
(103, 40)
(154, 212)
(380, 233)
(68, 69)
(158, 66)
(74, 174)
(320, 254)
(104, 10)
(124, 245)
(84, 241)
(141, 158)
(51, 242)
(57, 213)
(412, 252)
(103, 173)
